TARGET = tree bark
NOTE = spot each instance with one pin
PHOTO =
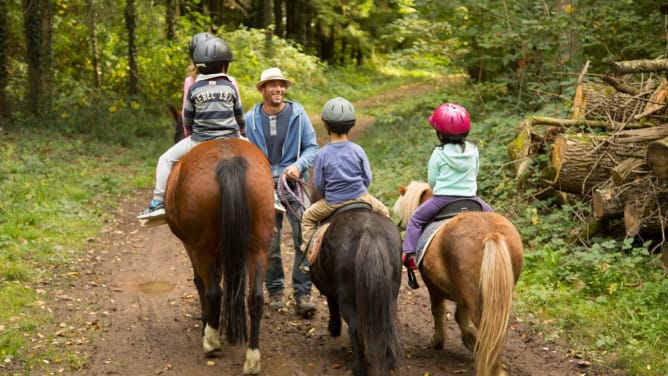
(37, 29)
(583, 163)
(130, 25)
(643, 216)
(607, 204)
(628, 170)
(5, 108)
(95, 53)
(602, 124)
(621, 86)
(642, 135)
(172, 13)
(657, 158)
(639, 66)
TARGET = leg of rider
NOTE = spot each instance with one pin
(301, 281)
(419, 219)
(485, 206)
(275, 278)
(315, 213)
(376, 205)
(164, 167)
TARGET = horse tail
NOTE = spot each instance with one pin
(234, 243)
(496, 287)
(377, 284)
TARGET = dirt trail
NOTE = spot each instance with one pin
(141, 288)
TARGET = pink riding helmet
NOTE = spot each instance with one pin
(451, 119)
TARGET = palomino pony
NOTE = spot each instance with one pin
(220, 203)
(474, 259)
(358, 269)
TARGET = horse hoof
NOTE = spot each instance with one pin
(210, 341)
(252, 363)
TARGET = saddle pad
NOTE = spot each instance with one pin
(314, 245)
(426, 236)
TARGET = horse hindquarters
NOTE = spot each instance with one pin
(377, 282)
(496, 288)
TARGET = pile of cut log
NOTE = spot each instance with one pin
(612, 151)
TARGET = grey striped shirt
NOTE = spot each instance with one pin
(213, 108)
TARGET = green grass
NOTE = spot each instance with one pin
(55, 192)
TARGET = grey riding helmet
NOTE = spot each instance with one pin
(338, 115)
(211, 54)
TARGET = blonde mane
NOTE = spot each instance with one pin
(409, 201)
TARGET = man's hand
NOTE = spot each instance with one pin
(292, 170)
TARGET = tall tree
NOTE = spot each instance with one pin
(37, 29)
(131, 26)
(5, 110)
(172, 15)
(95, 52)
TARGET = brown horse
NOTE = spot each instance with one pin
(220, 203)
(474, 259)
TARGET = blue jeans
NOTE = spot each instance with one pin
(275, 278)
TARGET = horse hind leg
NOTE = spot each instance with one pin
(438, 314)
(211, 339)
(210, 335)
(468, 330)
(252, 364)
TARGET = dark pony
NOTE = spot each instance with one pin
(219, 203)
(358, 269)
(474, 259)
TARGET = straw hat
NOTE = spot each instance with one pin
(272, 74)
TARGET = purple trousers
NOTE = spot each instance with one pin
(425, 213)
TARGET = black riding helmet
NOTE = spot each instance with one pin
(195, 40)
(211, 55)
(338, 115)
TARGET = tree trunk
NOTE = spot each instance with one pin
(170, 18)
(583, 163)
(657, 158)
(95, 53)
(645, 217)
(5, 108)
(279, 23)
(628, 170)
(656, 102)
(639, 66)
(642, 135)
(604, 103)
(37, 29)
(607, 204)
(131, 24)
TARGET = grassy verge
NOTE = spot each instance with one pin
(55, 193)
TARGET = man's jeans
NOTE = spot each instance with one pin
(274, 281)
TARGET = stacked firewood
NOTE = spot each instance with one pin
(612, 151)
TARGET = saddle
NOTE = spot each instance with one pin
(457, 207)
(313, 246)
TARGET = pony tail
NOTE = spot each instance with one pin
(496, 289)
(235, 228)
(376, 300)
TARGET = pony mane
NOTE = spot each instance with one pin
(409, 201)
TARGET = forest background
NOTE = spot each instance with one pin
(84, 87)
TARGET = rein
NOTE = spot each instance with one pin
(285, 192)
